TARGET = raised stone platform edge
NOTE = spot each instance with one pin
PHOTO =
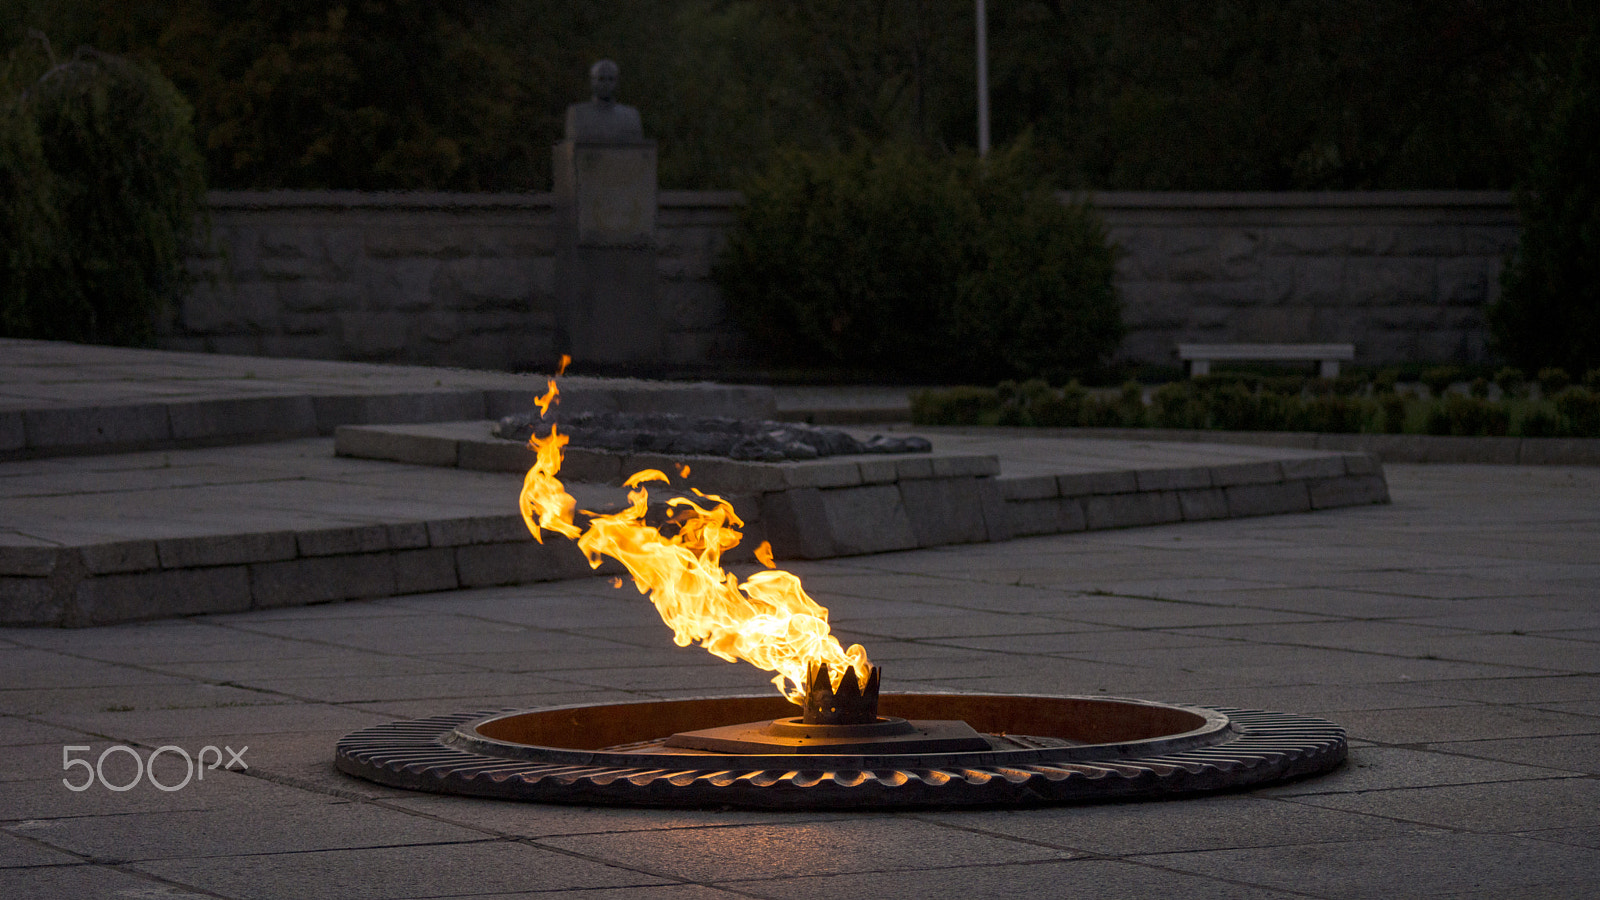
(1397, 448)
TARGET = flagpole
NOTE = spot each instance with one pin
(983, 80)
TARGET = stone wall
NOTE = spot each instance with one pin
(1402, 275)
(429, 278)
(465, 279)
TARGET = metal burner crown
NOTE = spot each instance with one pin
(852, 704)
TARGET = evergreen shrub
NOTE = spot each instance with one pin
(1548, 314)
(100, 189)
(928, 268)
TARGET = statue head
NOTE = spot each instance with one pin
(603, 80)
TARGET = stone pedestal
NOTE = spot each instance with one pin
(606, 310)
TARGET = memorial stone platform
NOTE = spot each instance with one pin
(1453, 632)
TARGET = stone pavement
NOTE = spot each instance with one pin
(117, 504)
(1456, 633)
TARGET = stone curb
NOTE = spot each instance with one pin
(1394, 448)
(121, 428)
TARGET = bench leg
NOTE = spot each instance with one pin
(1329, 368)
(1198, 367)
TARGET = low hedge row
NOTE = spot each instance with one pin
(1244, 404)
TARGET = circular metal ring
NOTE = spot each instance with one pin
(1053, 750)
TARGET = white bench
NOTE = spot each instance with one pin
(1327, 356)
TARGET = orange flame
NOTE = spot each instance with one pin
(552, 395)
(767, 620)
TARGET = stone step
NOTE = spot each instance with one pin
(95, 540)
(870, 504)
(65, 399)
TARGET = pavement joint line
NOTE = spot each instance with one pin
(93, 862)
(1436, 827)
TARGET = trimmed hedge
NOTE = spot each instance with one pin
(100, 189)
(889, 259)
(1286, 404)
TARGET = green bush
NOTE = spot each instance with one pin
(1553, 380)
(1467, 416)
(1228, 404)
(1549, 310)
(1392, 413)
(1580, 412)
(1056, 409)
(1439, 379)
(931, 268)
(102, 184)
(1512, 382)
(954, 406)
(1540, 422)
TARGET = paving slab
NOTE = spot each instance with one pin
(1435, 865)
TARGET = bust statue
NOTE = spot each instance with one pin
(603, 120)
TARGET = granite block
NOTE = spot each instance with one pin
(1313, 467)
(337, 541)
(377, 443)
(1173, 479)
(130, 425)
(944, 510)
(797, 523)
(730, 476)
(298, 582)
(996, 521)
(826, 474)
(499, 403)
(907, 467)
(1361, 464)
(497, 456)
(29, 602)
(476, 530)
(422, 571)
(1268, 499)
(105, 599)
(1246, 473)
(225, 549)
(574, 399)
(878, 471)
(407, 535)
(971, 464)
(869, 519)
(1199, 505)
(518, 562)
(120, 556)
(1033, 487)
(591, 466)
(1073, 516)
(33, 560)
(1350, 490)
(399, 408)
(1128, 510)
(1028, 517)
(243, 417)
(1082, 484)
